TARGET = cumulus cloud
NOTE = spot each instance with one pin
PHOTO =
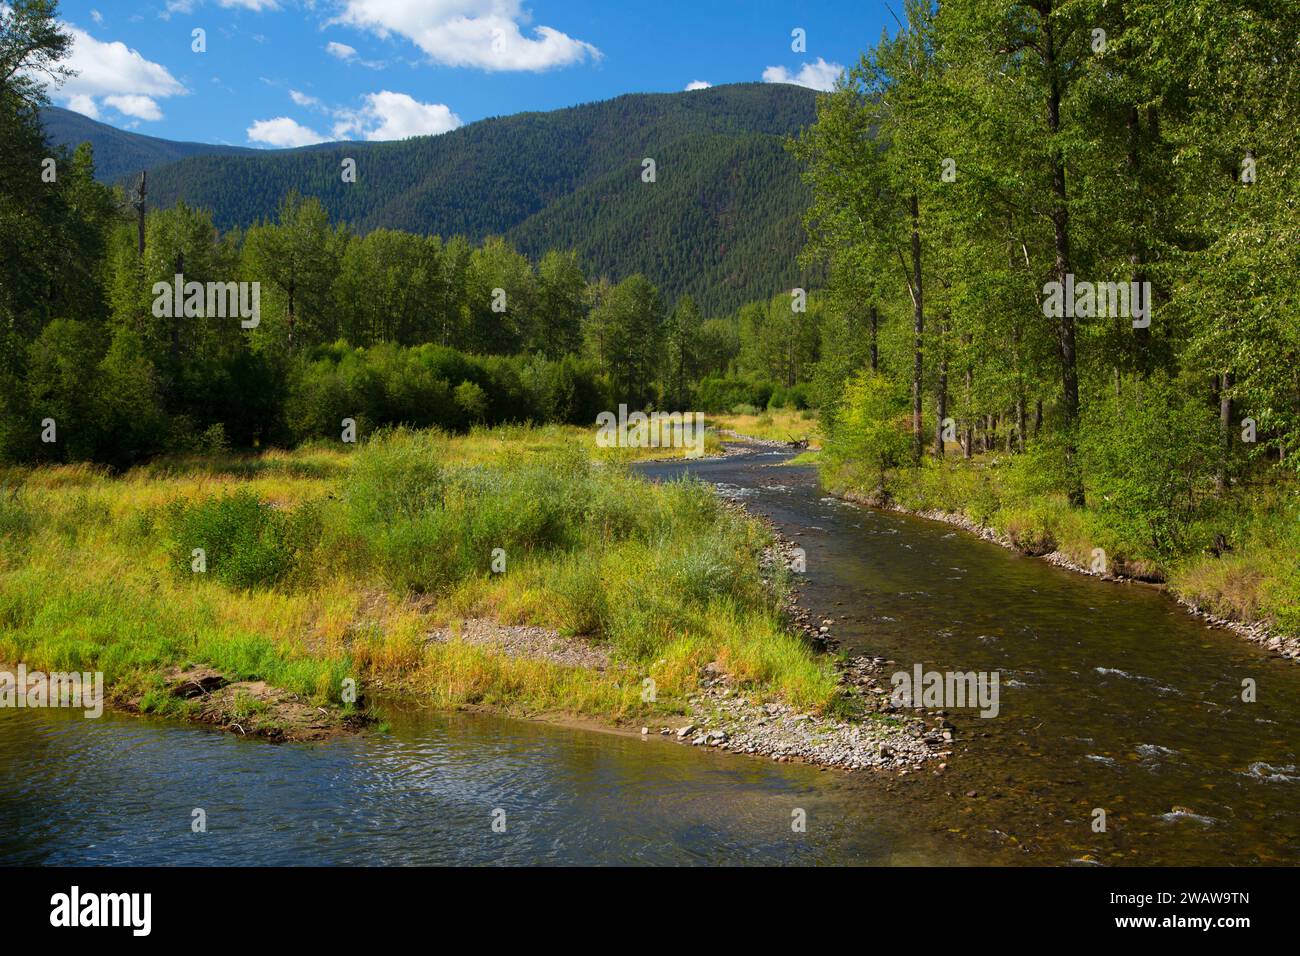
(698, 85)
(816, 76)
(83, 104)
(112, 74)
(282, 131)
(340, 50)
(387, 115)
(133, 104)
(383, 116)
(483, 34)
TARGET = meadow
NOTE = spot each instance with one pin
(306, 568)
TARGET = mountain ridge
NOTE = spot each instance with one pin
(724, 196)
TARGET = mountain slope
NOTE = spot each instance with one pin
(119, 153)
(721, 221)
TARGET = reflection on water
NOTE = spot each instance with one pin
(122, 790)
(1112, 696)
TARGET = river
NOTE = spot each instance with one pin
(1112, 697)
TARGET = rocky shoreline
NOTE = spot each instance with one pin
(882, 736)
(739, 443)
(722, 716)
(1256, 632)
(882, 739)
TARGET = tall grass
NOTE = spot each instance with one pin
(324, 564)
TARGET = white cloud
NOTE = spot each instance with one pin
(698, 85)
(816, 76)
(187, 6)
(133, 104)
(484, 34)
(340, 50)
(96, 16)
(84, 105)
(283, 131)
(302, 99)
(113, 71)
(389, 115)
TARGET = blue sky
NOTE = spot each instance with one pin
(291, 72)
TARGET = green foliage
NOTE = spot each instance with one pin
(870, 429)
(1150, 465)
(472, 402)
(391, 385)
(247, 543)
(426, 528)
(716, 394)
(988, 148)
(795, 396)
(625, 332)
(726, 203)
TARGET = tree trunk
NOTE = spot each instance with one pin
(918, 318)
(1020, 418)
(941, 394)
(968, 449)
(1020, 389)
(875, 348)
(1060, 216)
(1137, 253)
(1225, 430)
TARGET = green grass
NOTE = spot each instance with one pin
(1258, 580)
(325, 564)
(785, 424)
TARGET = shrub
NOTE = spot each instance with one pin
(1149, 463)
(247, 543)
(720, 394)
(871, 428)
(795, 396)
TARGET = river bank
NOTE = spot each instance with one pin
(1257, 632)
(1111, 697)
(1227, 587)
(507, 570)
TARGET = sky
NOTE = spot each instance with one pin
(278, 73)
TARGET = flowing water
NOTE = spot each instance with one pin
(1111, 697)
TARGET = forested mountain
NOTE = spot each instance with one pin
(725, 197)
(121, 154)
(722, 224)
